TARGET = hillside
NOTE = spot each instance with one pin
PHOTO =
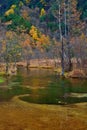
(40, 13)
(43, 29)
(5, 5)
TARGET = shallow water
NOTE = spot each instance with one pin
(43, 87)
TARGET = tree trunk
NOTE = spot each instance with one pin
(7, 66)
(68, 40)
(62, 58)
(28, 63)
(62, 46)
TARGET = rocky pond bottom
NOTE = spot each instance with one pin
(43, 87)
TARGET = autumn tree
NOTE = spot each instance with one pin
(57, 12)
(43, 12)
(43, 44)
(26, 45)
(12, 49)
(80, 50)
(34, 33)
(41, 41)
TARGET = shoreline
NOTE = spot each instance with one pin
(81, 75)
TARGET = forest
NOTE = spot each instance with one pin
(44, 29)
(43, 64)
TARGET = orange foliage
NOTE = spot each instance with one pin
(44, 39)
(40, 39)
(26, 43)
(9, 34)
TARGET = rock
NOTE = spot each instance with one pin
(77, 73)
(78, 95)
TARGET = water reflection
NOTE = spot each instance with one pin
(44, 87)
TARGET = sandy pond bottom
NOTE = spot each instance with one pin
(20, 115)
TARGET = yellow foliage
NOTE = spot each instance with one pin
(44, 39)
(43, 12)
(40, 39)
(13, 7)
(10, 11)
(34, 32)
(82, 36)
(33, 28)
(35, 36)
(27, 1)
(21, 3)
(9, 34)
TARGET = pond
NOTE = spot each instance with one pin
(43, 87)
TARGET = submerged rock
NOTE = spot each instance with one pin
(78, 95)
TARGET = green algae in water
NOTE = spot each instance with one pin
(57, 92)
(7, 94)
(46, 88)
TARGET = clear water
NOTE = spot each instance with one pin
(43, 87)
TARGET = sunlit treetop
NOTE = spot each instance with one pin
(11, 10)
(13, 7)
(21, 4)
(43, 12)
(8, 12)
(34, 32)
(27, 1)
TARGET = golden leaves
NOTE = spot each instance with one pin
(44, 39)
(21, 4)
(43, 12)
(13, 6)
(27, 1)
(34, 32)
(9, 34)
(10, 11)
(41, 40)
